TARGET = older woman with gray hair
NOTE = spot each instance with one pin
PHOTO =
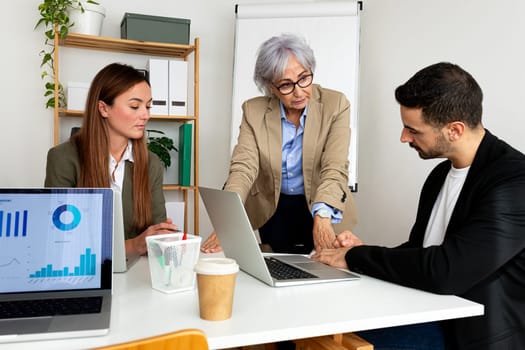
(290, 164)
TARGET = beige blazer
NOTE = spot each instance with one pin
(255, 169)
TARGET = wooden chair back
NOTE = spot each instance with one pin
(184, 339)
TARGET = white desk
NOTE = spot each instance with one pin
(263, 314)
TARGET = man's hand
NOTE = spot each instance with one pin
(332, 257)
(347, 239)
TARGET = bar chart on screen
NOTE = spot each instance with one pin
(13, 224)
(86, 267)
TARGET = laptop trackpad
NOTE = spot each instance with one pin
(293, 259)
(28, 326)
(311, 266)
(303, 262)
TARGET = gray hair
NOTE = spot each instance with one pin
(272, 58)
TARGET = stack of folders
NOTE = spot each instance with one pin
(185, 137)
(169, 86)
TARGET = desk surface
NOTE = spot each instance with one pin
(263, 314)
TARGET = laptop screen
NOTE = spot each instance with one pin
(55, 239)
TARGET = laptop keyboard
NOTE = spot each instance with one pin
(50, 307)
(282, 271)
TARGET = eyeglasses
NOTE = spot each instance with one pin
(287, 88)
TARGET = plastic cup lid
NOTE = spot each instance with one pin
(216, 266)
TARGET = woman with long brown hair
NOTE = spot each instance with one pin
(110, 151)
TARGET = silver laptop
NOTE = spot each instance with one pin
(122, 262)
(238, 241)
(55, 263)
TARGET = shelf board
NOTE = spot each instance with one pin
(173, 117)
(170, 187)
(70, 113)
(78, 114)
(92, 42)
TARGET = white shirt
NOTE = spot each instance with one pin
(116, 170)
(444, 206)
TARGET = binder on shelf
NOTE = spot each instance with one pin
(178, 87)
(185, 136)
(158, 78)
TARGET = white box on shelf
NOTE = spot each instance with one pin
(77, 95)
(178, 88)
(158, 78)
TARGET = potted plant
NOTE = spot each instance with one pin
(161, 146)
(54, 18)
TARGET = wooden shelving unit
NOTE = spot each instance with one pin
(89, 42)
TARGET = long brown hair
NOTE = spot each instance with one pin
(93, 140)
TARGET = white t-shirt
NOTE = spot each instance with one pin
(444, 206)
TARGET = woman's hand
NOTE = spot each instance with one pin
(138, 245)
(323, 233)
(212, 244)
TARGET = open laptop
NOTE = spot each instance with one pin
(238, 241)
(55, 250)
(122, 262)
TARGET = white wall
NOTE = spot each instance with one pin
(398, 38)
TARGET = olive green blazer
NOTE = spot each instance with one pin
(255, 169)
(63, 170)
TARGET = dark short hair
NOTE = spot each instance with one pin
(445, 93)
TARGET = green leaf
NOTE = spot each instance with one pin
(161, 146)
(54, 12)
(50, 103)
(47, 57)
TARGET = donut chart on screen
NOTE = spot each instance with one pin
(58, 217)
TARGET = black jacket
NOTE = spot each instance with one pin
(482, 257)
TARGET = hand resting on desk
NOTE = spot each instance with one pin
(345, 241)
(211, 244)
(138, 244)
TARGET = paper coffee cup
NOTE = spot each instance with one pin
(216, 285)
